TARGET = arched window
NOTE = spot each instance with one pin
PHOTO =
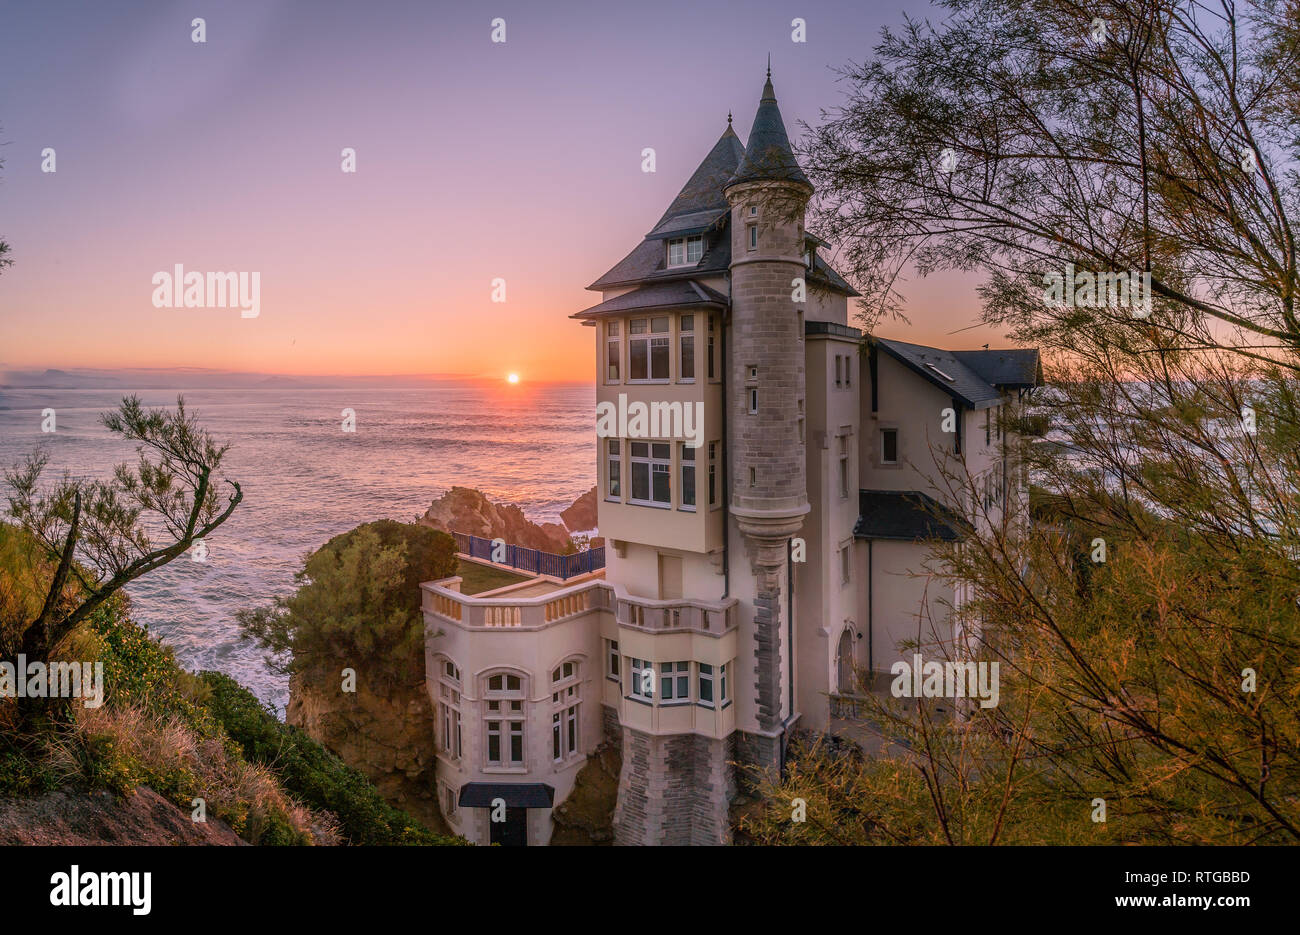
(449, 702)
(566, 699)
(503, 716)
(844, 675)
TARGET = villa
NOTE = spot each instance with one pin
(760, 572)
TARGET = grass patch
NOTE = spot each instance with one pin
(479, 578)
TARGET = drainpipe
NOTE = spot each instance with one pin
(726, 452)
(871, 617)
(789, 618)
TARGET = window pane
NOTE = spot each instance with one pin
(613, 361)
(640, 481)
(688, 357)
(661, 451)
(615, 482)
(688, 484)
(659, 358)
(659, 325)
(661, 484)
(638, 362)
(688, 323)
(640, 449)
(638, 326)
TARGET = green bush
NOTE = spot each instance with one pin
(309, 772)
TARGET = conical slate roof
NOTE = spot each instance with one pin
(701, 199)
(768, 155)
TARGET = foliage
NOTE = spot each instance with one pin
(311, 772)
(1146, 619)
(100, 535)
(357, 606)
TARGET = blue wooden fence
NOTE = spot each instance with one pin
(533, 560)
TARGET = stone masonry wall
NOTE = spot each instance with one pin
(674, 790)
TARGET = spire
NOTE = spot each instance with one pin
(768, 155)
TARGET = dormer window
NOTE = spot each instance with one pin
(685, 251)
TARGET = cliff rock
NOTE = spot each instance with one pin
(390, 740)
(469, 511)
(581, 515)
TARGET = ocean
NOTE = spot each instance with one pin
(306, 480)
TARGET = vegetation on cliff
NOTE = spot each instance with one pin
(352, 640)
(357, 607)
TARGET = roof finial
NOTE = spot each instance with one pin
(769, 66)
(728, 116)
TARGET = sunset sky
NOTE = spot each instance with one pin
(475, 160)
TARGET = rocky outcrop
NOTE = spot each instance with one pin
(586, 817)
(469, 511)
(143, 817)
(581, 515)
(390, 740)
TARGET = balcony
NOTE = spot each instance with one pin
(536, 612)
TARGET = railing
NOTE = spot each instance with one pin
(536, 561)
(647, 614)
(505, 612)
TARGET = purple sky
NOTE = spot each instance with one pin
(475, 160)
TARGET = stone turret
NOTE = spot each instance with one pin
(768, 195)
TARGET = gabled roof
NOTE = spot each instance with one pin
(907, 515)
(768, 156)
(659, 296)
(946, 371)
(1017, 368)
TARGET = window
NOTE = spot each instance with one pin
(710, 678)
(449, 702)
(839, 371)
(686, 370)
(504, 719)
(753, 236)
(674, 681)
(643, 685)
(705, 681)
(753, 211)
(688, 477)
(753, 478)
(615, 468)
(713, 473)
(449, 799)
(889, 446)
(648, 346)
(846, 564)
(848, 370)
(651, 473)
(710, 363)
(988, 426)
(753, 400)
(611, 659)
(613, 349)
(565, 700)
(685, 251)
(844, 465)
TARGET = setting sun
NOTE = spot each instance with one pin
(512, 378)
